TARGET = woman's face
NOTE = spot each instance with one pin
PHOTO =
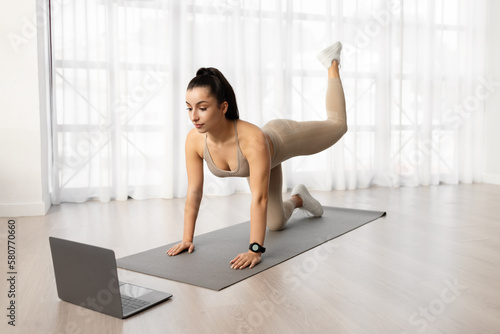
(203, 108)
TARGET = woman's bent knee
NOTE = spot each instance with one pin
(276, 225)
(344, 127)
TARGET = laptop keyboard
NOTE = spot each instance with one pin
(130, 304)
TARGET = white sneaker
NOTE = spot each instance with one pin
(309, 203)
(331, 53)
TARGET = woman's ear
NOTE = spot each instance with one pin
(225, 107)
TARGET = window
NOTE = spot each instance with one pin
(120, 69)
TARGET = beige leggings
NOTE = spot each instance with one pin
(291, 139)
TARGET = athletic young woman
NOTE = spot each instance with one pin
(236, 148)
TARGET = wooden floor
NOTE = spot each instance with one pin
(432, 265)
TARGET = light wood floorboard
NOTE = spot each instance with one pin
(432, 265)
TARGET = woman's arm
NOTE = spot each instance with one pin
(194, 167)
(259, 160)
(260, 168)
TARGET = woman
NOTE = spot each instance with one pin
(233, 147)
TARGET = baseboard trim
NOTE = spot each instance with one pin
(24, 209)
(491, 178)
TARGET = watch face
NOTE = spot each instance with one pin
(255, 247)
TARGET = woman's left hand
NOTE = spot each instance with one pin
(244, 260)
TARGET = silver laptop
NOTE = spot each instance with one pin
(86, 275)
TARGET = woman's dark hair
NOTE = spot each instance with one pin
(212, 79)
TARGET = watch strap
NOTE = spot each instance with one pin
(256, 248)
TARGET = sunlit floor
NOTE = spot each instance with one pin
(432, 265)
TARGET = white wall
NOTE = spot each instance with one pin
(23, 130)
(492, 104)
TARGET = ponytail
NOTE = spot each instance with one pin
(219, 87)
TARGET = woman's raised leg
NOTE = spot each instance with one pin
(305, 138)
(311, 137)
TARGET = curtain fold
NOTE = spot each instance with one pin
(413, 75)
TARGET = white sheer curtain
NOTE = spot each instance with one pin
(413, 75)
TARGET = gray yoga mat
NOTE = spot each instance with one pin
(208, 266)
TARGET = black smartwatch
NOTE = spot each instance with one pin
(256, 248)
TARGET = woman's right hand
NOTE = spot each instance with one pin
(181, 247)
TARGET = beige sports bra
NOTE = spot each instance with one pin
(242, 169)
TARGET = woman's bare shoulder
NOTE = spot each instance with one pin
(250, 135)
(195, 142)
